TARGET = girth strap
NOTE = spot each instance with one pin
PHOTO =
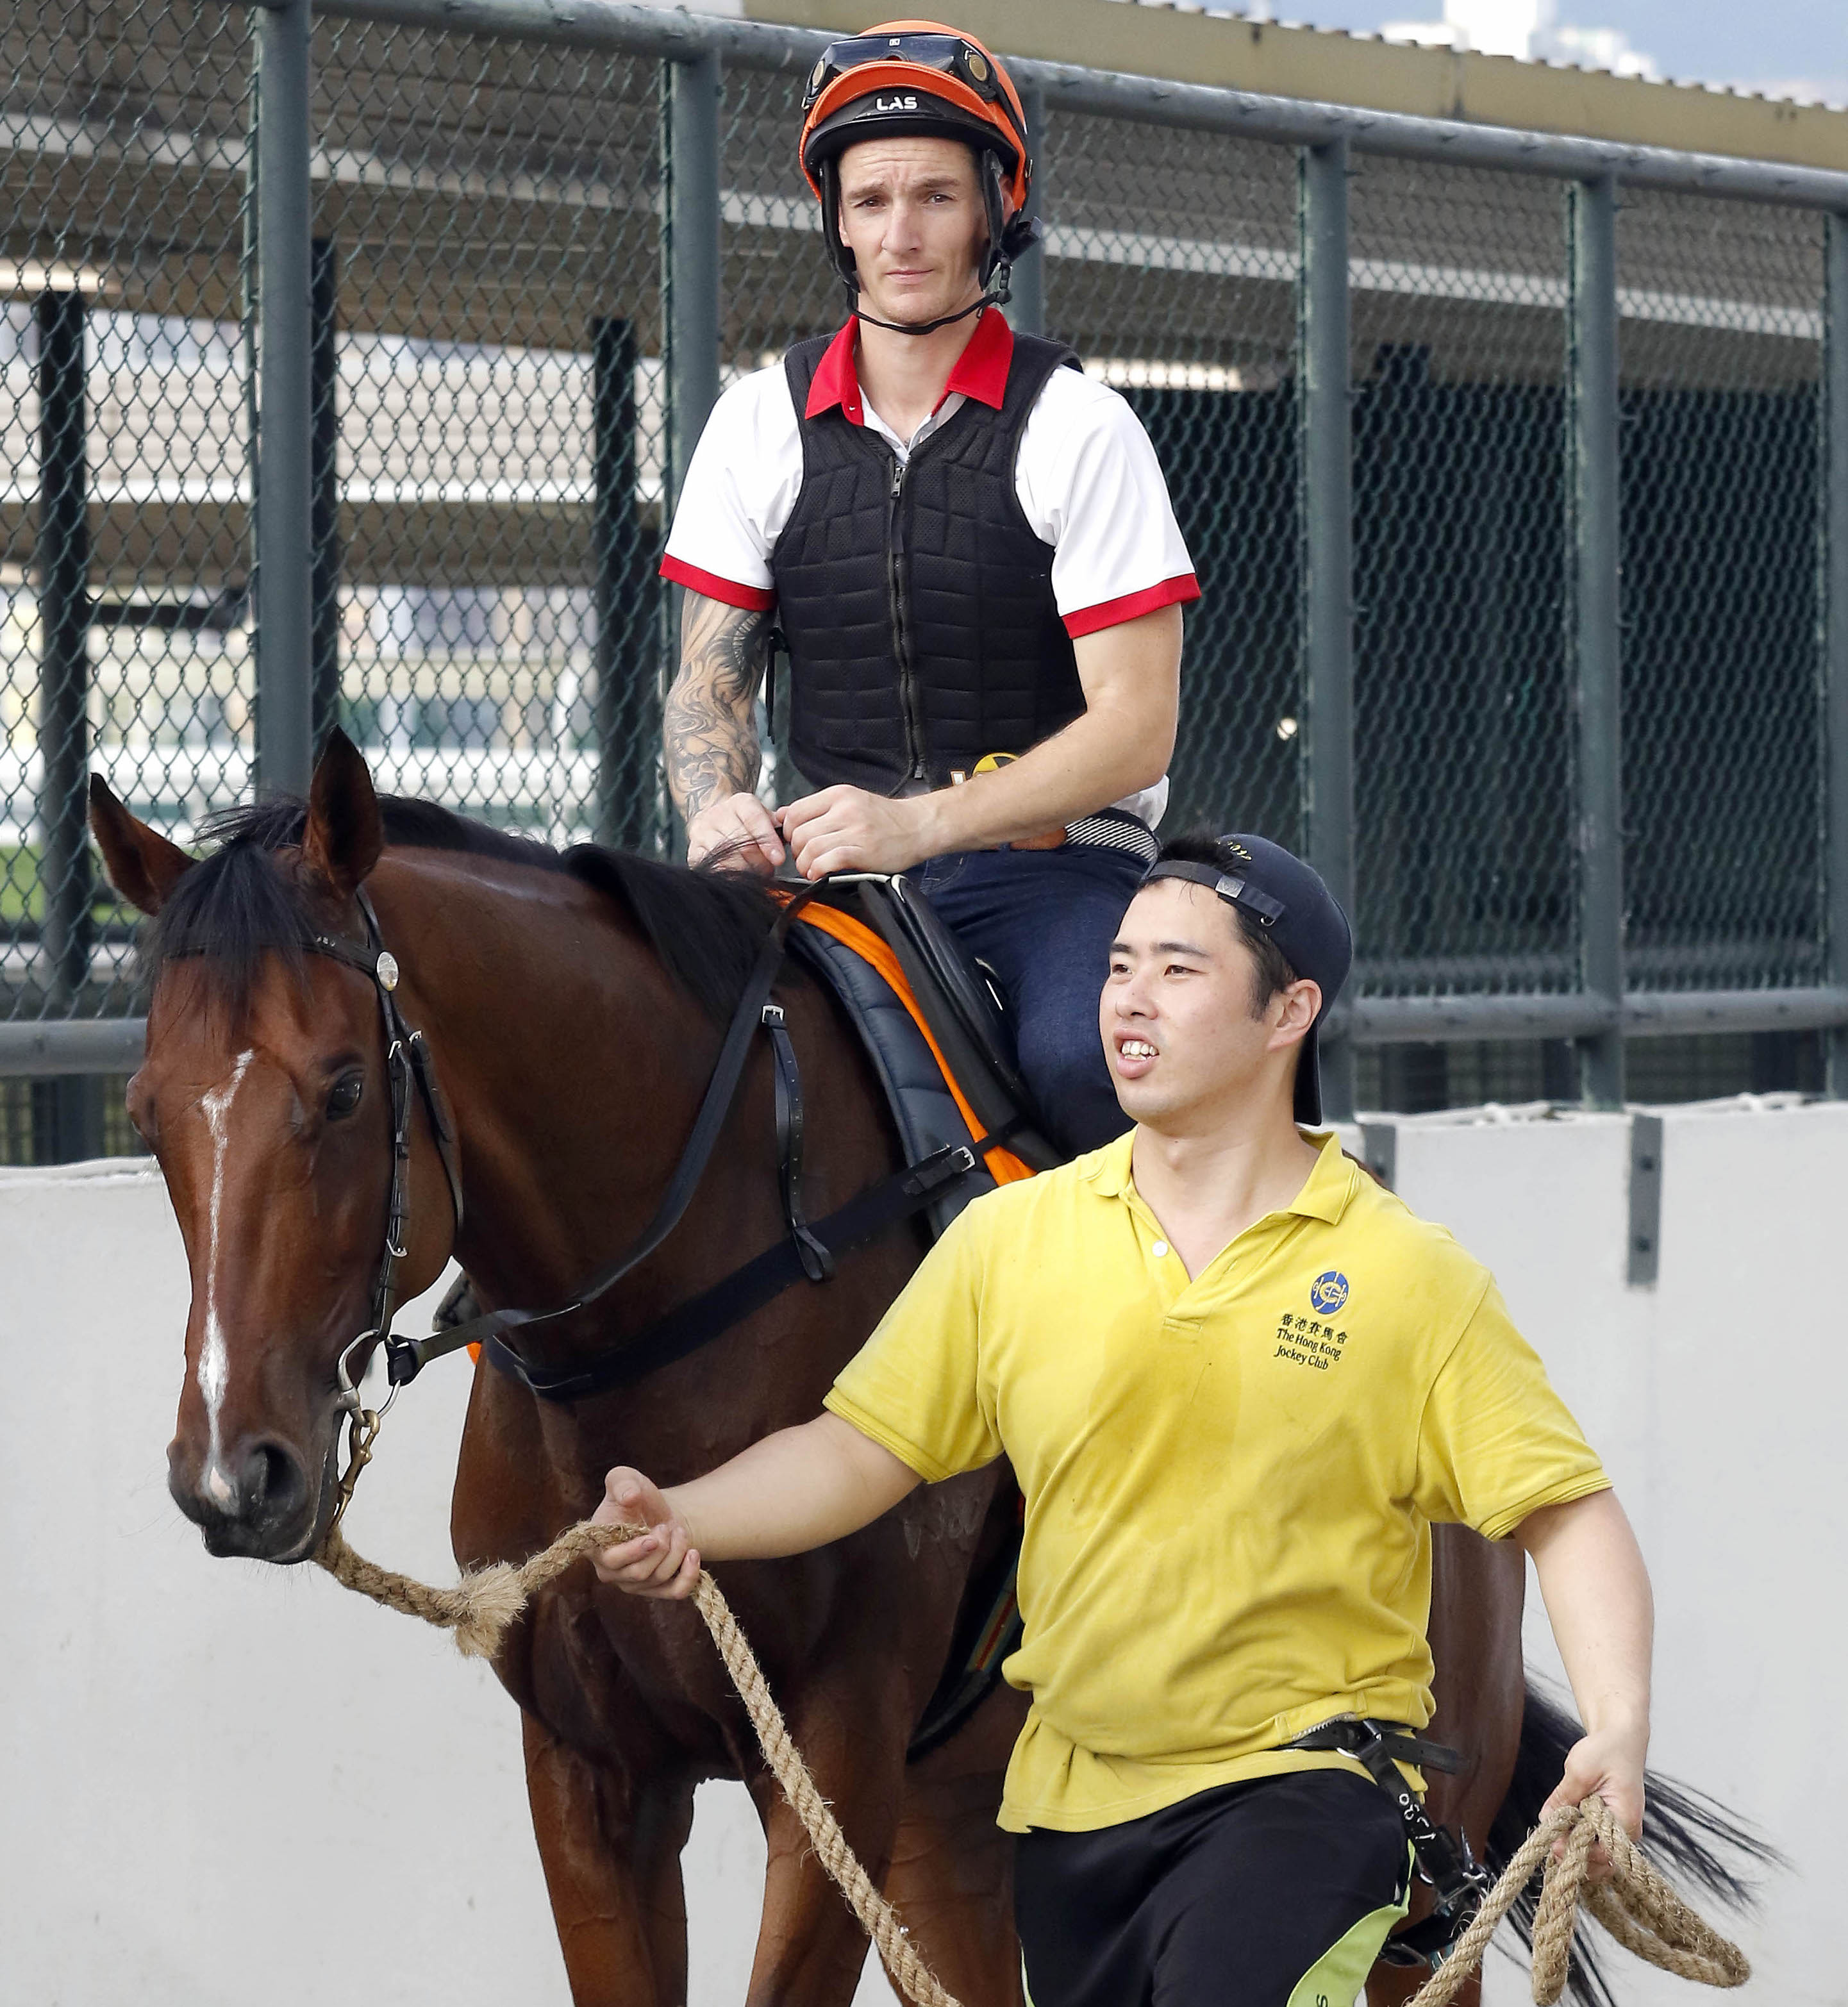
(818, 1263)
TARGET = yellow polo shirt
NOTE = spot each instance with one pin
(1229, 1481)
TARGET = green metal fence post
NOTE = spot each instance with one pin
(1325, 471)
(693, 258)
(1594, 635)
(690, 304)
(324, 492)
(1834, 525)
(1026, 308)
(62, 563)
(68, 1113)
(285, 542)
(628, 714)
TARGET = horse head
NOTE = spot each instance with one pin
(265, 1096)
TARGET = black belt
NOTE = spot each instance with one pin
(1444, 1859)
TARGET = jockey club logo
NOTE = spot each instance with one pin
(1329, 1293)
(1305, 1340)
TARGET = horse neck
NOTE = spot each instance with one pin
(572, 1064)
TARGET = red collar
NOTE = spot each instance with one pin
(981, 370)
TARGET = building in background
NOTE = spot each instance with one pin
(493, 436)
(1528, 31)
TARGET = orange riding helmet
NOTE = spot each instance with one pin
(907, 80)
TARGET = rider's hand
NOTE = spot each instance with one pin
(742, 828)
(1609, 1762)
(663, 1561)
(847, 829)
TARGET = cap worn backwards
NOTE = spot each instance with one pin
(1288, 898)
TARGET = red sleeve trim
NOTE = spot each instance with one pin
(753, 598)
(1132, 605)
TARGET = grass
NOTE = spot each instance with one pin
(22, 894)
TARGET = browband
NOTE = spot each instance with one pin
(1234, 891)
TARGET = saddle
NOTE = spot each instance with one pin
(931, 1023)
(932, 1026)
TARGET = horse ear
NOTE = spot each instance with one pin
(345, 832)
(143, 865)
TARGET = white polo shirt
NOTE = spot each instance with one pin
(1087, 478)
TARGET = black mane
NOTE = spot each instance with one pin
(235, 907)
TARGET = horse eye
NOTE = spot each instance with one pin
(344, 1096)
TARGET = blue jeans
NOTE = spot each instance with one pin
(1043, 921)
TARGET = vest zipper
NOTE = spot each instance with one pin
(908, 681)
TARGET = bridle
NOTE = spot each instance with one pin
(409, 1071)
(810, 1249)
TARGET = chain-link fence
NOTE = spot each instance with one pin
(1721, 727)
(1461, 668)
(487, 301)
(1171, 267)
(522, 299)
(123, 514)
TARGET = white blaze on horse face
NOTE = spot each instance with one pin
(214, 1363)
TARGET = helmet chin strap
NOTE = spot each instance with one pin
(992, 297)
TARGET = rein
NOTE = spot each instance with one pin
(810, 1249)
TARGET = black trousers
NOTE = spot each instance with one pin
(1275, 1893)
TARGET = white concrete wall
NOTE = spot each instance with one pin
(219, 1779)
(1718, 1399)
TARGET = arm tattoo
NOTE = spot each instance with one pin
(711, 735)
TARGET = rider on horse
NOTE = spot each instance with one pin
(967, 550)
(1237, 1384)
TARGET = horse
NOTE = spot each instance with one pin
(572, 1004)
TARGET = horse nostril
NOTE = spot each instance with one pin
(273, 1486)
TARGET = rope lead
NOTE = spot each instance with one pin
(1636, 1907)
(481, 1607)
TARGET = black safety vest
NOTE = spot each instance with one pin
(916, 603)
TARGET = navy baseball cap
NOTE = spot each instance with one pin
(1289, 900)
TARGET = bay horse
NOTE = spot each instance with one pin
(572, 1006)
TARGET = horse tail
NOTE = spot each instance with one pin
(1710, 1847)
